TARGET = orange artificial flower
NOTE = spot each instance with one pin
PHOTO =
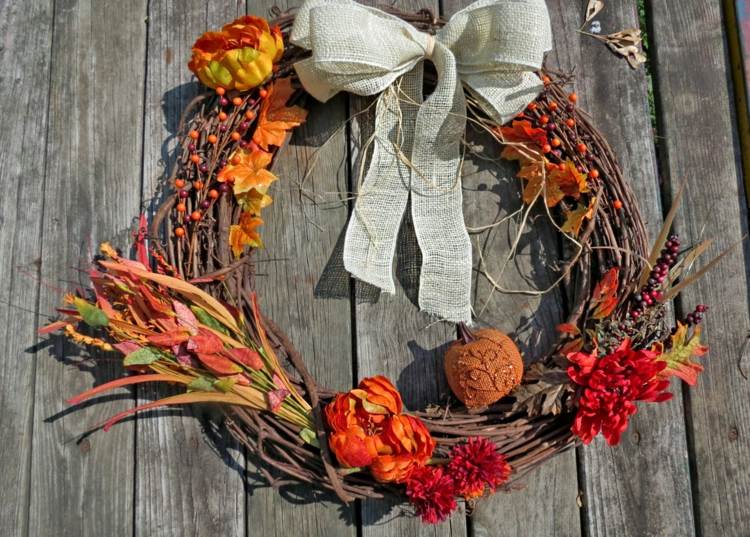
(407, 445)
(239, 57)
(275, 118)
(368, 430)
(245, 234)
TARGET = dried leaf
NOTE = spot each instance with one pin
(626, 43)
(124, 381)
(201, 384)
(545, 396)
(593, 8)
(604, 298)
(185, 317)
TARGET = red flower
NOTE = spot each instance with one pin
(476, 466)
(432, 493)
(610, 387)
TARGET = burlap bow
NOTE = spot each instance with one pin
(492, 47)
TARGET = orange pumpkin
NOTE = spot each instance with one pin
(483, 366)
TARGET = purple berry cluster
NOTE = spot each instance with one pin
(697, 316)
(651, 292)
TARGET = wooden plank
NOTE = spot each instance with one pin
(91, 192)
(545, 502)
(24, 96)
(304, 288)
(189, 474)
(393, 338)
(622, 497)
(695, 96)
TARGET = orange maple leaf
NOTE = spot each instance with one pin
(248, 170)
(574, 219)
(245, 234)
(275, 118)
(524, 142)
(554, 181)
(604, 299)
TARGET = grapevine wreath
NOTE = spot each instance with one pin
(184, 310)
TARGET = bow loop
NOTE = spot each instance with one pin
(491, 47)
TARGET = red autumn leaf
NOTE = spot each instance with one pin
(205, 342)
(217, 364)
(276, 398)
(185, 317)
(567, 328)
(247, 357)
(126, 347)
(604, 299)
(169, 339)
(523, 132)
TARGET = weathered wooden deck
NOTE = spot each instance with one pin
(89, 95)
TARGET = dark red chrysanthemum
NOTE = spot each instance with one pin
(610, 387)
(476, 466)
(431, 491)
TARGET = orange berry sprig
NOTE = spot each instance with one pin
(223, 124)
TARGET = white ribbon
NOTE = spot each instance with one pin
(492, 47)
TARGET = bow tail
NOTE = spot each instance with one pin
(382, 197)
(445, 283)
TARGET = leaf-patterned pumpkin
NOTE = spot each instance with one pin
(482, 367)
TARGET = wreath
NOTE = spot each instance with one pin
(184, 310)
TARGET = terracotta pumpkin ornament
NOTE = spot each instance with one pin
(483, 366)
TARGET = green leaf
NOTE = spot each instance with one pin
(206, 319)
(225, 384)
(143, 356)
(309, 436)
(201, 384)
(90, 314)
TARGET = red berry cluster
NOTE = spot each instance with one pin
(651, 293)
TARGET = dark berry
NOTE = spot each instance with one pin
(183, 194)
(203, 168)
(205, 204)
(224, 188)
(223, 101)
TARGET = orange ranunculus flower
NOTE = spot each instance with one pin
(407, 444)
(369, 430)
(239, 57)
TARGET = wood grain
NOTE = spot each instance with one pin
(189, 474)
(545, 501)
(695, 97)
(84, 487)
(24, 96)
(393, 338)
(302, 286)
(620, 496)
